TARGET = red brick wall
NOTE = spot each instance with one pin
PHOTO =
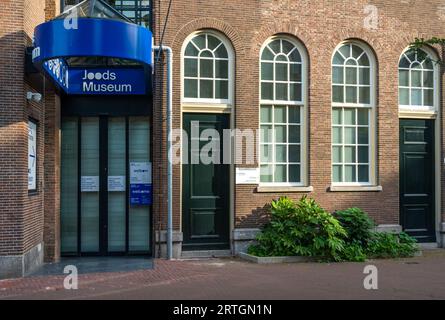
(21, 213)
(320, 26)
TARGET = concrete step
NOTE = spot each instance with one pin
(205, 254)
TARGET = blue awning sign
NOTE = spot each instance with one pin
(54, 45)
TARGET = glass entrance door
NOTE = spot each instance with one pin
(97, 216)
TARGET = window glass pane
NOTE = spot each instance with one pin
(337, 116)
(212, 42)
(351, 75)
(351, 94)
(266, 173)
(266, 133)
(281, 91)
(266, 114)
(345, 50)
(350, 174)
(428, 79)
(364, 76)
(337, 93)
(363, 173)
(350, 155)
(281, 72)
(404, 78)
(337, 173)
(206, 68)
(337, 154)
(350, 135)
(266, 71)
(280, 153)
(337, 135)
(280, 173)
(221, 52)
(295, 72)
(363, 137)
(416, 97)
(404, 63)
(287, 46)
(356, 51)
(267, 91)
(364, 60)
(275, 46)
(191, 50)
(190, 67)
(404, 97)
(266, 153)
(295, 56)
(222, 69)
(294, 134)
(364, 95)
(280, 134)
(294, 173)
(191, 88)
(295, 92)
(428, 99)
(363, 154)
(337, 75)
(363, 116)
(416, 77)
(280, 115)
(428, 63)
(200, 41)
(267, 54)
(221, 89)
(294, 153)
(349, 116)
(338, 59)
(206, 89)
(294, 114)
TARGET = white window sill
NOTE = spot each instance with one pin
(338, 188)
(273, 189)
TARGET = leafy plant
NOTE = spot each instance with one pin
(302, 228)
(354, 251)
(357, 224)
(388, 245)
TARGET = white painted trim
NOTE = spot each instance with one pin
(231, 76)
(373, 138)
(304, 143)
(273, 189)
(339, 188)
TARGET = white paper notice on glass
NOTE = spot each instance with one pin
(116, 183)
(140, 172)
(89, 183)
(247, 175)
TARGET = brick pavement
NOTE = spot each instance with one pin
(416, 278)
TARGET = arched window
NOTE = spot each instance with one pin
(353, 108)
(207, 69)
(282, 112)
(416, 80)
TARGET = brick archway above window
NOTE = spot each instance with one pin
(209, 24)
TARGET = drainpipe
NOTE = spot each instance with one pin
(169, 53)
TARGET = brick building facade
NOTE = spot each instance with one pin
(30, 221)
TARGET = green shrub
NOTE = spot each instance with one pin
(388, 245)
(303, 229)
(357, 224)
(354, 251)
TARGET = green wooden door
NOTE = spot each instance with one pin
(417, 179)
(205, 186)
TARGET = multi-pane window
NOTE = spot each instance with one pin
(352, 113)
(281, 113)
(206, 69)
(416, 80)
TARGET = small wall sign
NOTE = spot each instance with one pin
(141, 192)
(89, 183)
(116, 183)
(247, 175)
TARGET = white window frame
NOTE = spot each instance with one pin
(223, 103)
(303, 115)
(436, 78)
(372, 106)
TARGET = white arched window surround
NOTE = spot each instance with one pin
(354, 153)
(419, 81)
(212, 54)
(283, 161)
